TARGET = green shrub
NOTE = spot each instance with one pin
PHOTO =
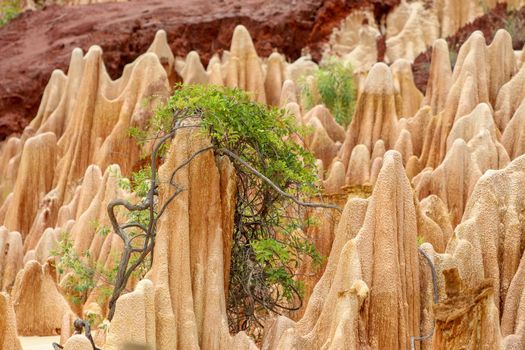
(268, 240)
(335, 89)
(9, 9)
(84, 272)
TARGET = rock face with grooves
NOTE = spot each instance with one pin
(375, 114)
(39, 306)
(355, 285)
(8, 335)
(188, 260)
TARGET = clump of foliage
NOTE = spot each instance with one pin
(274, 175)
(334, 87)
(84, 272)
(9, 9)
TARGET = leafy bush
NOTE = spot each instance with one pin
(9, 9)
(273, 173)
(334, 87)
(85, 273)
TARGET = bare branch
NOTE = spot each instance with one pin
(275, 187)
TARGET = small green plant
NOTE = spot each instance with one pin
(82, 278)
(83, 274)
(333, 85)
(9, 9)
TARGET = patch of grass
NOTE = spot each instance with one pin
(335, 87)
(9, 9)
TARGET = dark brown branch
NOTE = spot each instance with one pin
(275, 187)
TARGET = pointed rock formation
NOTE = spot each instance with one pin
(288, 93)
(470, 87)
(411, 97)
(191, 69)
(420, 28)
(35, 180)
(275, 76)
(138, 307)
(364, 55)
(11, 257)
(358, 171)
(472, 124)
(440, 77)
(418, 128)
(161, 48)
(430, 231)
(502, 62)
(320, 143)
(404, 145)
(91, 137)
(335, 178)
(493, 224)
(509, 99)
(375, 114)
(244, 69)
(189, 259)
(346, 37)
(513, 137)
(8, 336)
(363, 274)
(453, 181)
(39, 306)
(453, 14)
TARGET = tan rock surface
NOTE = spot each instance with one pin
(440, 77)
(191, 264)
(8, 334)
(244, 68)
(11, 257)
(513, 137)
(358, 279)
(38, 304)
(375, 114)
(35, 180)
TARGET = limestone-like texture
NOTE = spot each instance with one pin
(467, 318)
(440, 77)
(34, 181)
(411, 28)
(8, 333)
(513, 138)
(11, 257)
(375, 114)
(138, 306)
(411, 97)
(363, 277)
(188, 268)
(38, 304)
(446, 172)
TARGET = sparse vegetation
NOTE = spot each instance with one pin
(9, 9)
(334, 87)
(82, 273)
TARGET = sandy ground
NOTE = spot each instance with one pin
(38, 343)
